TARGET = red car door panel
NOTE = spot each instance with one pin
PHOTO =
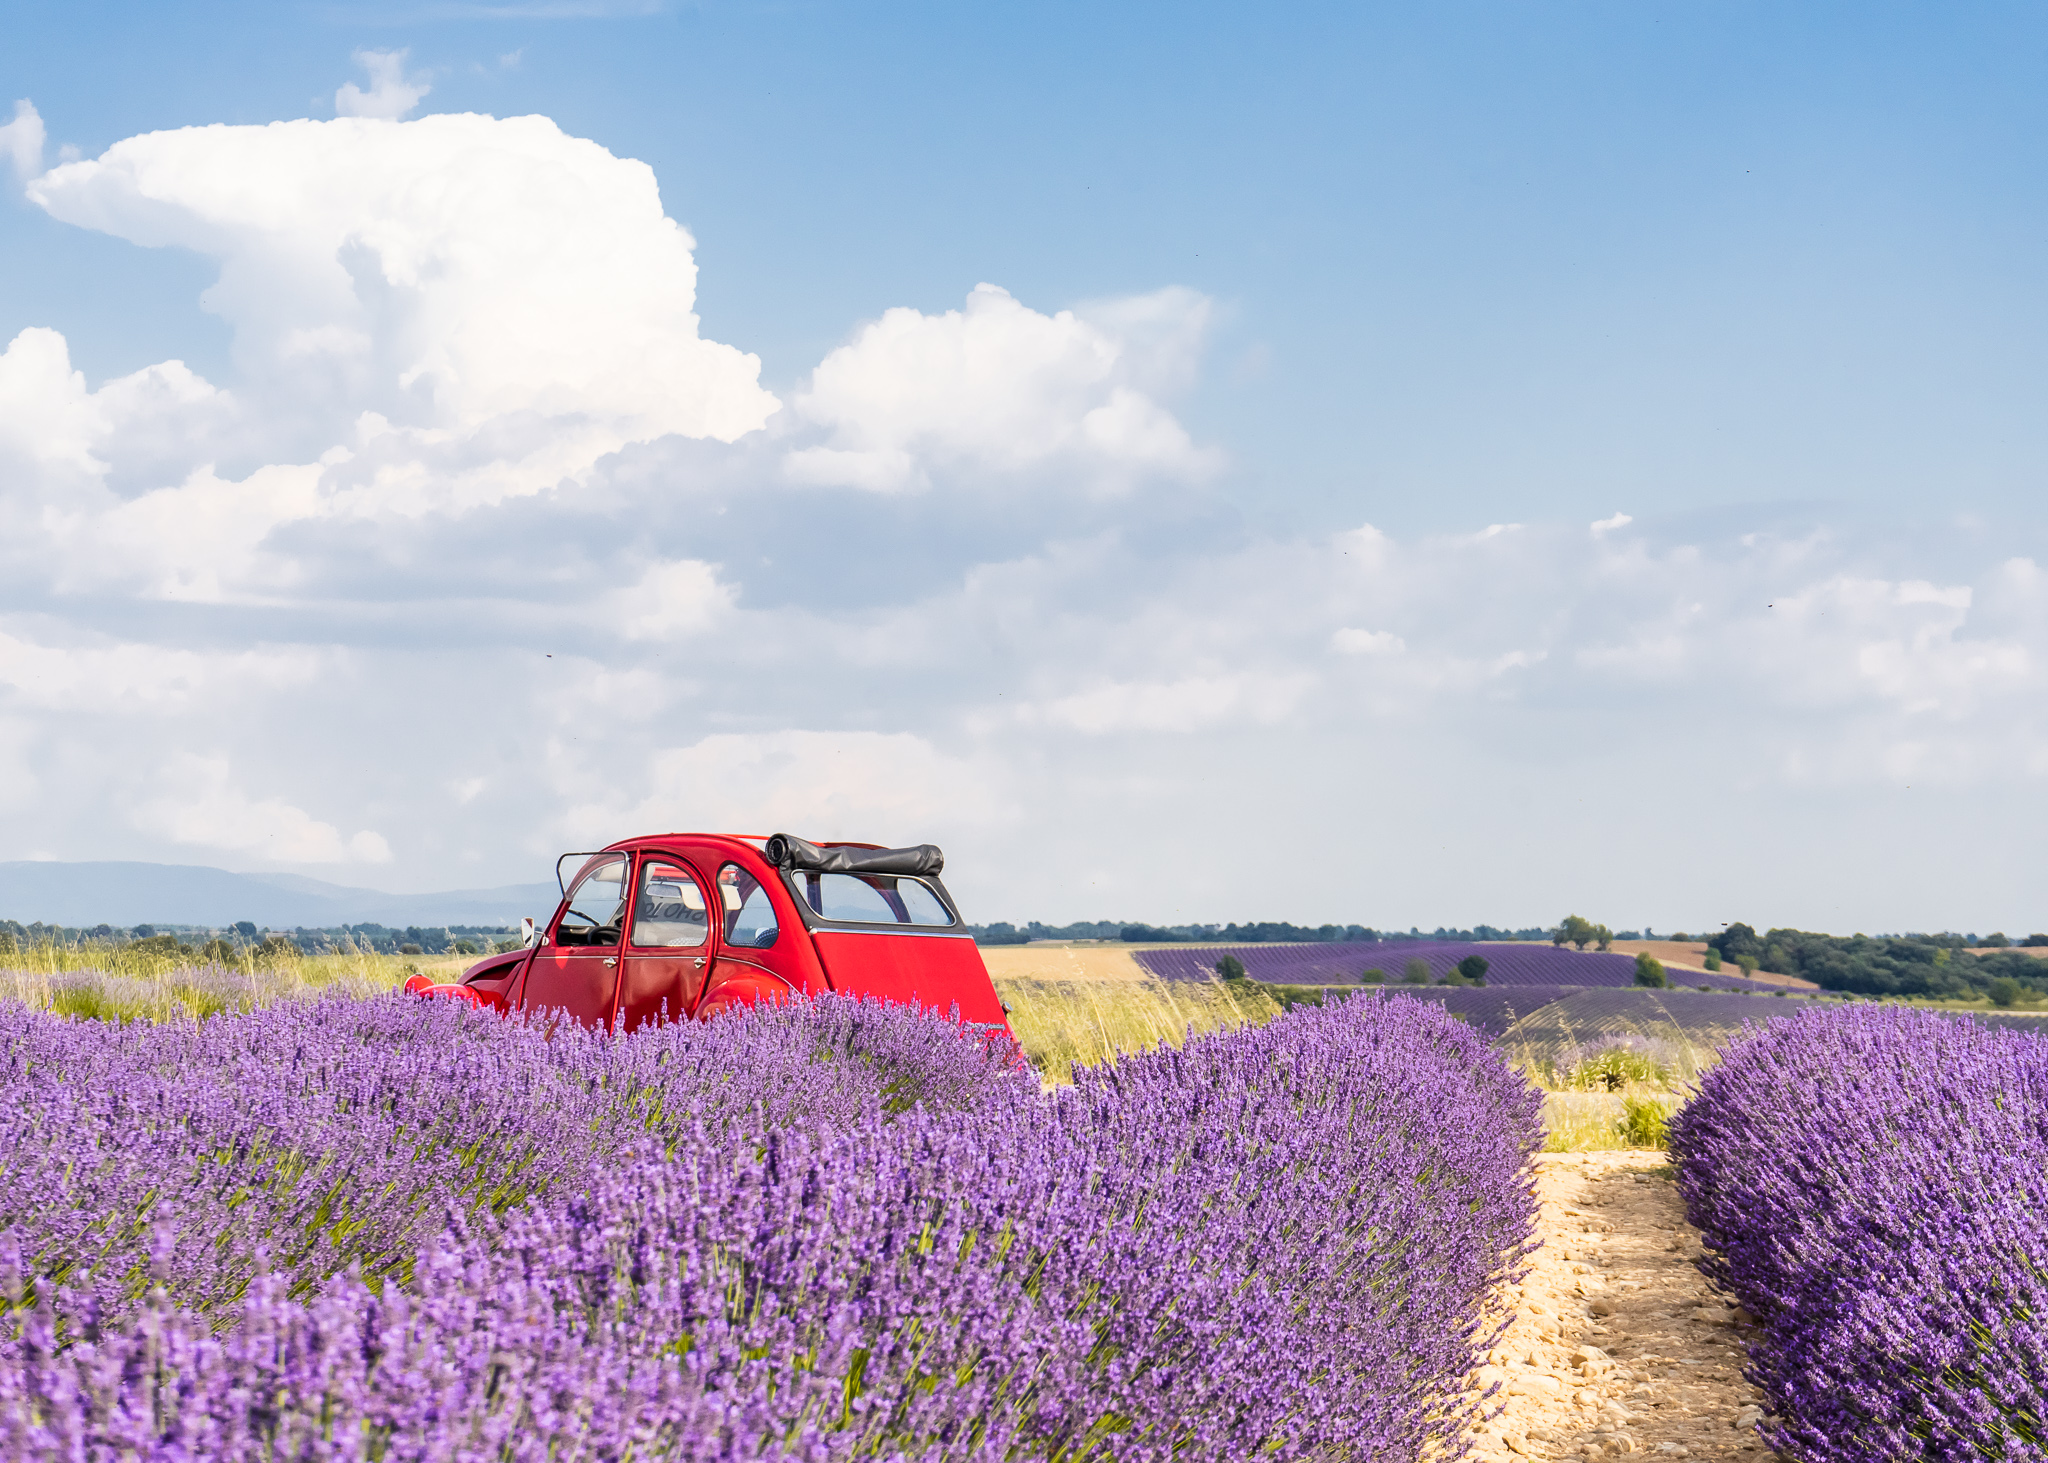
(668, 944)
(575, 971)
(574, 981)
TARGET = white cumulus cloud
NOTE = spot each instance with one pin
(22, 140)
(392, 93)
(1189, 704)
(877, 787)
(997, 387)
(202, 806)
(1367, 642)
(669, 602)
(444, 272)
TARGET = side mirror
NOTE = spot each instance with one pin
(528, 935)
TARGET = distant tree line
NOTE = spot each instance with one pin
(1892, 965)
(245, 937)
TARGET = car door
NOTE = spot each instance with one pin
(575, 969)
(668, 943)
(743, 967)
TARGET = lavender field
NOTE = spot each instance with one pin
(1872, 1185)
(383, 1228)
(1333, 964)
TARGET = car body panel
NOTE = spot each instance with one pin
(917, 969)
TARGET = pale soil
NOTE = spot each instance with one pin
(1692, 955)
(1658, 1371)
(1061, 962)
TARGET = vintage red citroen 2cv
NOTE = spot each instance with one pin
(683, 925)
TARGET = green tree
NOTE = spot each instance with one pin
(2005, 991)
(1713, 960)
(1650, 971)
(1231, 968)
(1748, 964)
(1374, 976)
(1604, 935)
(1473, 968)
(1415, 972)
(1576, 931)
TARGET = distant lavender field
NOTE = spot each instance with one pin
(1507, 964)
(1490, 1010)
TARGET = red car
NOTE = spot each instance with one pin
(684, 925)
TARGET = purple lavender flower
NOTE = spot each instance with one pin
(396, 1229)
(1873, 1187)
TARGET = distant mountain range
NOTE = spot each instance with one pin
(82, 895)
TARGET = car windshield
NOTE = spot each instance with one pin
(596, 904)
(870, 899)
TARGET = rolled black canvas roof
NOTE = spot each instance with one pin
(788, 852)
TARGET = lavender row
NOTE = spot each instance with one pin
(1873, 1187)
(1335, 964)
(402, 1230)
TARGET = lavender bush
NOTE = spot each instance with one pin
(1873, 1187)
(394, 1229)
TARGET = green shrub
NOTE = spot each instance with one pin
(2005, 991)
(1473, 968)
(1614, 1068)
(1644, 1122)
(1748, 964)
(1374, 976)
(1650, 971)
(1713, 960)
(1231, 968)
(1415, 972)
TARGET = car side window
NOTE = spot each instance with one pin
(669, 909)
(749, 912)
(597, 904)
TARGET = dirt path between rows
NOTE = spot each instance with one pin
(1617, 1346)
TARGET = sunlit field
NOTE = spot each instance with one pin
(124, 983)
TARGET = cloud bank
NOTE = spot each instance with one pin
(487, 552)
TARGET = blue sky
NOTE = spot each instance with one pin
(1764, 283)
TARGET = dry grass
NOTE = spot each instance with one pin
(1602, 1122)
(1069, 1021)
(112, 983)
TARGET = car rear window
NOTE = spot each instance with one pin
(870, 899)
(749, 912)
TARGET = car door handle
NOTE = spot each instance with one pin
(699, 962)
(611, 960)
